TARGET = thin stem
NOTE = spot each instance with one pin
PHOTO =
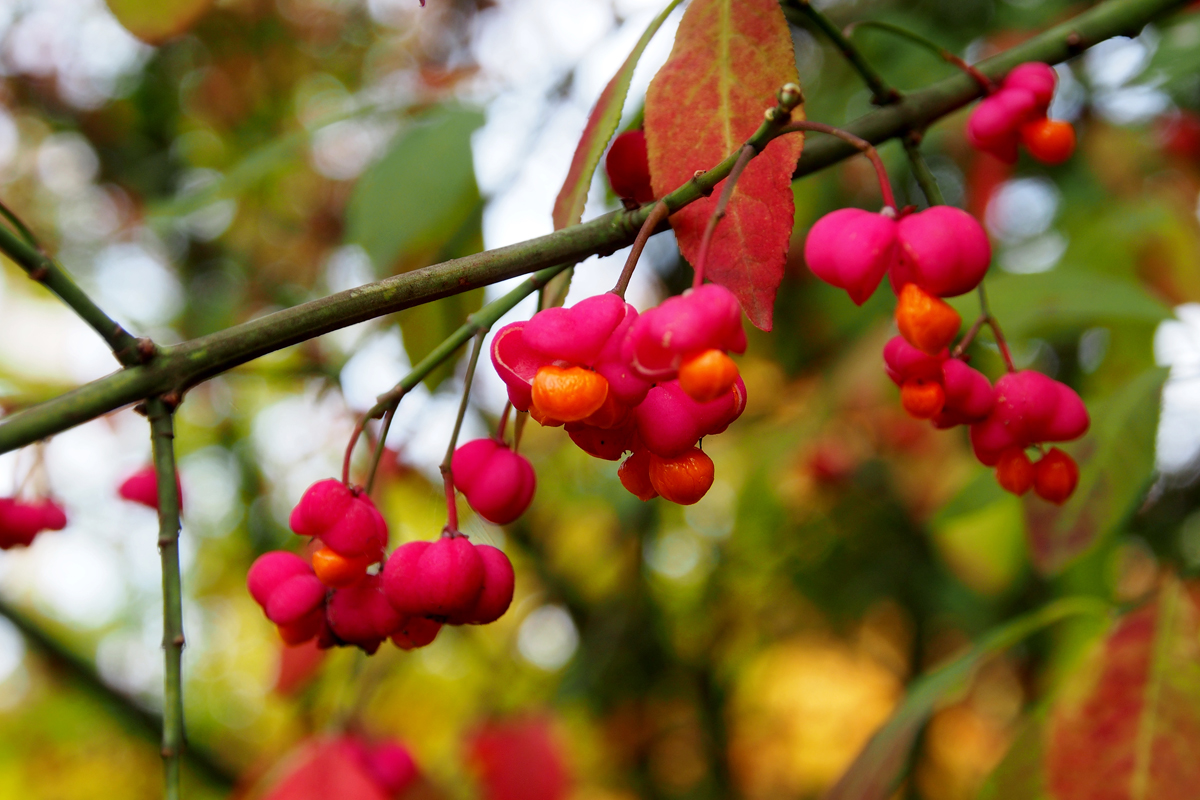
(969, 337)
(447, 471)
(48, 272)
(995, 326)
(657, 214)
(163, 439)
(21, 227)
(384, 427)
(882, 93)
(508, 407)
(921, 171)
(867, 149)
(986, 83)
(718, 214)
(358, 429)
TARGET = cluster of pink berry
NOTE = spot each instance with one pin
(337, 600)
(652, 385)
(943, 252)
(22, 521)
(347, 765)
(1025, 409)
(1016, 114)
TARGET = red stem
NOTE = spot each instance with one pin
(358, 429)
(653, 220)
(868, 150)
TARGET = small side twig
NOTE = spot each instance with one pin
(747, 153)
(986, 83)
(22, 247)
(447, 471)
(1001, 342)
(920, 169)
(882, 93)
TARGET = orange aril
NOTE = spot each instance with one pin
(635, 475)
(568, 394)
(542, 419)
(707, 375)
(1050, 141)
(1014, 471)
(683, 479)
(922, 399)
(1055, 476)
(926, 322)
(334, 569)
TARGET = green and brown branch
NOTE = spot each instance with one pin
(162, 432)
(22, 249)
(185, 365)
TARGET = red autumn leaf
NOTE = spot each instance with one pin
(568, 206)
(730, 58)
(1128, 726)
(520, 759)
(325, 769)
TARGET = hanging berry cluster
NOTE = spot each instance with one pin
(1016, 114)
(944, 252)
(337, 600)
(651, 385)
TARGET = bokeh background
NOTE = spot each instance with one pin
(280, 150)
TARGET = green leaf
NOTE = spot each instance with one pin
(1020, 776)
(878, 769)
(1116, 461)
(568, 206)
(1029, 304)
(420, 194)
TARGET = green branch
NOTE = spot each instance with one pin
(46, 271)
(920, 108)
(121, 705)
(162, 432)
(882, 93)
(182, 366)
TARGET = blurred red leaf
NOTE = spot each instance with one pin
(520, 760)
(568, 206)
(728, 61)
(1127, 726)
(325, 769)
(298, 665)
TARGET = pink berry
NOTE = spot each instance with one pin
(270, 570)
(624, 384)
(969, 396)
(1036, 78)
(434, 579)
(605, 443)
(576, 334)
(852, 249)
(294, 598)
(498, 483)
(904, 362)
(142, 487)
(1030, 408)
(392, 766)
(361, 615)
(994, 125)
(415, 632)
(497, 592)
(943, 250)
(346, 521)
(706, 318)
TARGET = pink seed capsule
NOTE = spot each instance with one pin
(943, 250)
(498, 483)
(852, 249)
(497, 592)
